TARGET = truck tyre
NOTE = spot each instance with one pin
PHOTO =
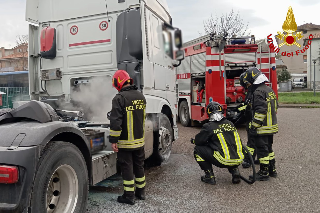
(184, 114)
(61, 181)
(163, 141)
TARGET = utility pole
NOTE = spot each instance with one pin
(314, 77)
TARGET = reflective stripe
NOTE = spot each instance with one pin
(144, 121)
(128, 182)
(198, 158)
(255, 124)
(228, 162)
(271, 156)
(130, 125)
(269, 118)
(251, 150)
(131, 144)
(267, 129)
(224, 146)
(141, 179)
(239, 145)
(114, 133)
(128, 189)
(242, 108)
(140, 186)
(264, 160)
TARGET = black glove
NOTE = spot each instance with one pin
(252, 129)
(192, 140)
(108, 115)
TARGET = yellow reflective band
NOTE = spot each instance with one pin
(251, 150)
(259, 118)
(128, 182)
(131, 144)
(128, 189)
(140, 186)
(224, 146)
(269, 118)
(130, 125)
(144, 120)
(198, 158)
(141, 179)
(242, 108)
(239, 145)
(255, 124)
(271, 156)
(260, 115)
(115, 133)
(228, 162)
(264, 160)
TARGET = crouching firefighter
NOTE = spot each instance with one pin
(264, 121)
(218, 143)
(127, 119)
(245, 110)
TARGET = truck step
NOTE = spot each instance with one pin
(104, 165)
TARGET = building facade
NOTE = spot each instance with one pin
(15, 59)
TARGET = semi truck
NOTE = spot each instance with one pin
(211, 71)
(53, 147)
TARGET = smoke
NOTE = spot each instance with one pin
(95, 98)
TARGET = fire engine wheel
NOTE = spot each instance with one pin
(61, 182)
(184, 114)
(163, 141)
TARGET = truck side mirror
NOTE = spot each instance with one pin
(180, 55)
(178, 38)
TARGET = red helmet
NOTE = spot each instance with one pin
(120, 78)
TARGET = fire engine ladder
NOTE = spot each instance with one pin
(264, 66)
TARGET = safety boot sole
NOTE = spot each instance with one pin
(125, 200)
(209, 181)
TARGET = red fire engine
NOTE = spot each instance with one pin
(211, 71)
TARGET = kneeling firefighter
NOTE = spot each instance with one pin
(264, 121)
(127, 119)
(218, 143)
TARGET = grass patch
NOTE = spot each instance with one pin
(299, 98)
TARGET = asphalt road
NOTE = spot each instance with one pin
(176, 186)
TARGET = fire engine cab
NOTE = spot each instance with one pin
(211, 71)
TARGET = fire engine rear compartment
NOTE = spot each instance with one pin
(208, 74)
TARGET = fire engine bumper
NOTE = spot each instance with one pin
(15, 197)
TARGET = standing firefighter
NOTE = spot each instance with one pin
(127, 121)
(245, 109)
(218, 143)
(264, 121)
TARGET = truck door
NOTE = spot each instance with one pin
(161, 61)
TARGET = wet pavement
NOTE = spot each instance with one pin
(176, 187)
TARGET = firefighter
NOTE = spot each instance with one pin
(245, 109)
(264, 121)
(127, 119)
(218, 143)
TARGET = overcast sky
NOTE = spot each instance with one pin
(264, 18)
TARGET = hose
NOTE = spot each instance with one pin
(249, 180)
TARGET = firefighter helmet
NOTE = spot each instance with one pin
(214, 107)
(250, 75)
(120, 78)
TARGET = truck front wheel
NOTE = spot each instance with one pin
(61, 182)
(184, 114)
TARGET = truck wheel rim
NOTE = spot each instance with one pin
(184, 114)
(165, 142)
(62, 190)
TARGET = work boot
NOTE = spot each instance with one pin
(209, 177)
(235, 175)
(140, 194)
(257, 162)
(262, 174)
(125, 199)
(272, 168)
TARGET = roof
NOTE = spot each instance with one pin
(309, 26)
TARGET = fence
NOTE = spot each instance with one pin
(13, 94)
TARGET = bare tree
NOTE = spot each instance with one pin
(228, 25)
(22, 41)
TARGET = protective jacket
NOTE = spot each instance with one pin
(245, 107)
(264, 110)
(223, 138)
(127, 118)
